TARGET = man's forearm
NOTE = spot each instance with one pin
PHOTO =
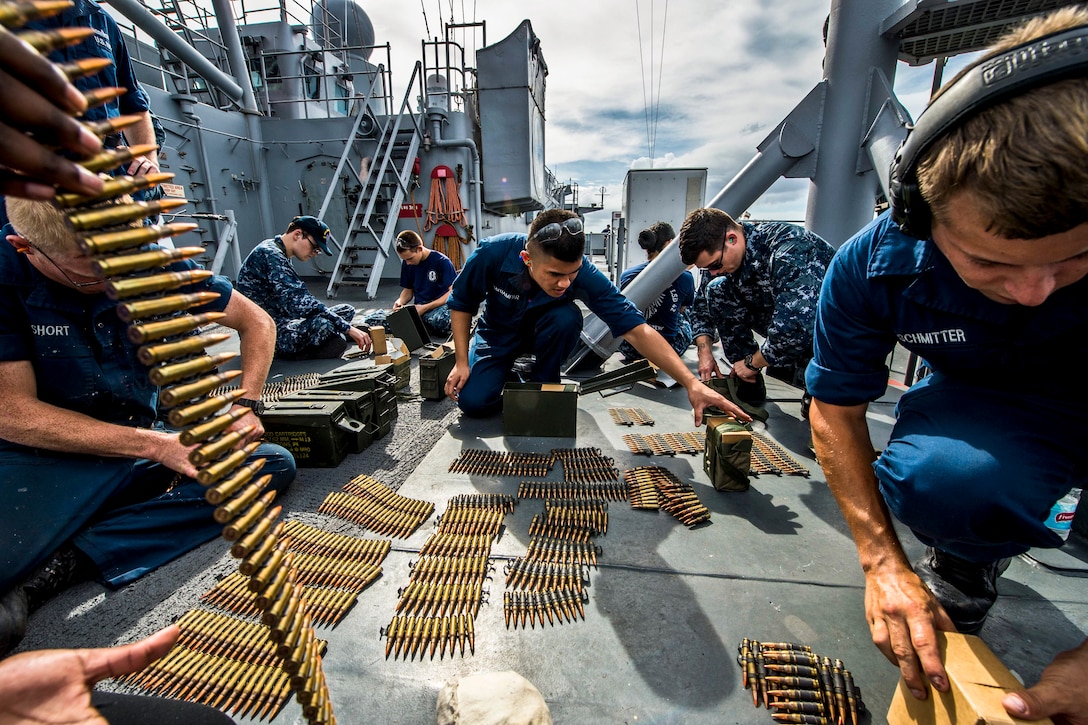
(461, 324)
(840, 436)
(141, 133)
(657, 350)
(31, 422)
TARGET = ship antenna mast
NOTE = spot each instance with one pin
(652, 102)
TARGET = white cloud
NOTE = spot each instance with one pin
(728, 72)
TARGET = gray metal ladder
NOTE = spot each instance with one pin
(369, 240)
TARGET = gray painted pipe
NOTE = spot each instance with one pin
(154, 27)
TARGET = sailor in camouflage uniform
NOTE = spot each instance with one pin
(761, 278)
(305, 327)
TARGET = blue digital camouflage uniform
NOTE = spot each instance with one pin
(774, 293)
(303, 322)
(669, 314)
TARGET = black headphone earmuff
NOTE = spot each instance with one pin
(1036, 63)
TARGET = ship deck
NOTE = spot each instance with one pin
(667, 604)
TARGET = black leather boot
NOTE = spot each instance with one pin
(965, 589)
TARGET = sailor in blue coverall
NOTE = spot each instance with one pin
(981, 268)
(70, 472)
(967, 439)
(528, 285)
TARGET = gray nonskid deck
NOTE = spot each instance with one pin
(667, 605)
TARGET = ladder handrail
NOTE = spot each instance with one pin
(360, 223)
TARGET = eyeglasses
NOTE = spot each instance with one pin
(721, 257)
(313, 243)
(553, 231)
(77, 285)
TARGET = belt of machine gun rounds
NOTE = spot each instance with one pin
(148, 299)
(630, 416)
(438, 607)
(373, 505)
(664, 444)
(799, 685)
(652, 487)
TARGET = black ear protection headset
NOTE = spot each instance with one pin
(1041, 61)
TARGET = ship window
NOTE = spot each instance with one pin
(343, 92)
(275, 80)
(311, 78)
(256, 79)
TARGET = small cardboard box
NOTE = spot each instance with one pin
(977, 682)
(406, 324)
(540, 409)
(377, 339)
(401, 359)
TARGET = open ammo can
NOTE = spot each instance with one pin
(540, 409)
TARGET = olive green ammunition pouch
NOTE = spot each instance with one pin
(729, 389)
(727, 455)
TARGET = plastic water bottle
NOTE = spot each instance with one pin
(1061, 515)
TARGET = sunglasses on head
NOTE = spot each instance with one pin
(553, 231)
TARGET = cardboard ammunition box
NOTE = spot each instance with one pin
(540, 409)
(977, 682)
(406, 324)
(400, 360)
(359, 404)
(377, 339)
(319, 433)
(435, 364)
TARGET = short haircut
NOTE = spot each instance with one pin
(704, 230)
(408, 240)
(1024, 161)
(42, 224)
(567, 248)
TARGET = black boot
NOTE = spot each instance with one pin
(13, 616)
(965, 589)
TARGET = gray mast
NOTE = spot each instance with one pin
(844, 186)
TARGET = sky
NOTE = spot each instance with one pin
(635, 84)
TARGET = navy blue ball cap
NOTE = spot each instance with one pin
(316, 228)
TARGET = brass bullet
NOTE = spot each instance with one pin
(46, 41)
(204, 431)
(114, 185)
(129, 311)
(109, 126)
(84, 67)
(233, 530)
(179, 417)
(210, 474)
(141, 261)
(214, 450)
(230, 510)
(257, 557)
(117, 289)
(109, 159)
(107, 242)
(16, 14)
(100, 97)
(238, 479)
